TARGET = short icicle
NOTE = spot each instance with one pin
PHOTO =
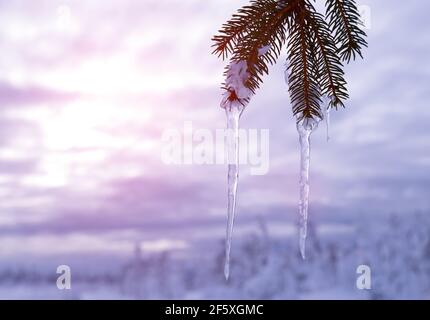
(305, 127)
(327, 122)
(326, 106)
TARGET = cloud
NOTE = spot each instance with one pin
(15, 96)
(125, 71)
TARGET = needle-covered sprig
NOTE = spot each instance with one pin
(317, 45)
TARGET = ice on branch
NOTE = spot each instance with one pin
(236, 93)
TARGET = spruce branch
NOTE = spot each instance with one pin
(239, 26)
(303, 84)
(261, 24)
(317, 44)
(330, 73)
(345, 23)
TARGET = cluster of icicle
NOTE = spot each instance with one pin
(235, 100)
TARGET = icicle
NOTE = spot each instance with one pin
(327, 122)
(305, 128)
(233, 116)
(326, 107)
(234, 101)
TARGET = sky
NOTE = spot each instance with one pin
(87, 89)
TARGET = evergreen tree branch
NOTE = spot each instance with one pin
(253, 39)
(330, 72)
(344, 21)
(303, 85)
(239, 26)
(258, 30)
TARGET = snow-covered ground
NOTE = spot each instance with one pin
(265, 264)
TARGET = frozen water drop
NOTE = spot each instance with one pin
(233, 116)
(305, 127)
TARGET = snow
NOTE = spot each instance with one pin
(266, 265)
(237, 93)
(305, 127)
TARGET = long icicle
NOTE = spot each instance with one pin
(233, 115)
(305, 128)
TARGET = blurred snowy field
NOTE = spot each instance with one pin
(265, 264)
